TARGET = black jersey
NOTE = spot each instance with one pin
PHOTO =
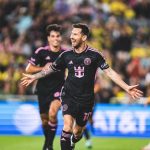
(82, 68)
(50, 83)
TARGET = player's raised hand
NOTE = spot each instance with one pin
(27, 79)
(134, 92)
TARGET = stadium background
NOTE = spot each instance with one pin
(119, 28)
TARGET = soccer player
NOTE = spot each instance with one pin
(48, 88)
(77, 95)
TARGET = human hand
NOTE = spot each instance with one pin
(134, 92)
(27, 79)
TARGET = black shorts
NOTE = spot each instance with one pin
(80, 112)
(45, 101)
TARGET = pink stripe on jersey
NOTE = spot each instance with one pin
(47, 48)
(63, 49)
(94, 50)
(31, 62)
(65, 52)
(41, 48)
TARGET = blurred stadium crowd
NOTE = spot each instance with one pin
(119, 28)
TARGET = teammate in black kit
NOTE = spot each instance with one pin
(77, 95)
(48, 88)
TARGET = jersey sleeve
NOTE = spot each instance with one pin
(59, 63)
(101, 62)
(35, 59)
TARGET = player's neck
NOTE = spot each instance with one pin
(81, 49)
(54, 49)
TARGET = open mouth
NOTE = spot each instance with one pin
(56, 42)
(73, 41)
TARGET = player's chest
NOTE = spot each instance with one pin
(80, 63)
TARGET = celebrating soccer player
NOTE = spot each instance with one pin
(48, 88)
(77, 95)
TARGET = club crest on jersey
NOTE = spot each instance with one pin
(87, 61)
(79, 71)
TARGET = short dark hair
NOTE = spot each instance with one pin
(53, 27)
(83, 27)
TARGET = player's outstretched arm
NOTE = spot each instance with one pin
(27, 79)
(33, 69)
(131, 90)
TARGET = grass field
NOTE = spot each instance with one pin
(35, 143)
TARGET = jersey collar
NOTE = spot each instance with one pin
(85, 50)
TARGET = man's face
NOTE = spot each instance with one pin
(76, 37)
(54, 38)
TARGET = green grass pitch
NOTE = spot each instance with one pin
(35, 143)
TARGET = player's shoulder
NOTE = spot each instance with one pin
(65, 51)
(41, 49)
(62, 50)
(94, 51)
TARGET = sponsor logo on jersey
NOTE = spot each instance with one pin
(87, 61)
(79, 71)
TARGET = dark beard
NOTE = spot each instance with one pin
(78, 45)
